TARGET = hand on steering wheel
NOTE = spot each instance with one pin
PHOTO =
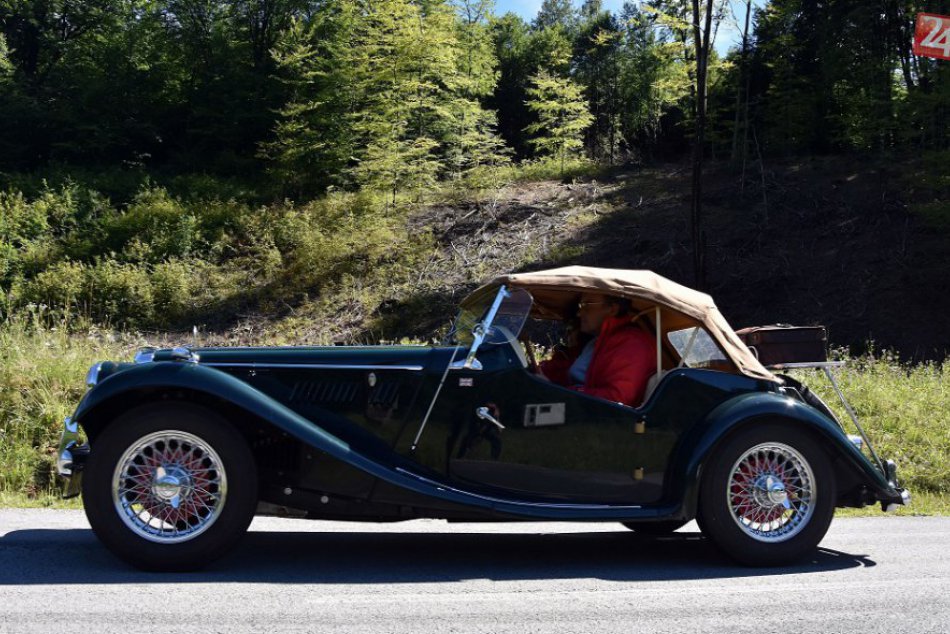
(533, 366)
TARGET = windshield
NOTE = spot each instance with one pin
(506, 325)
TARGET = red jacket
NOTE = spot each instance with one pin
(624, 360)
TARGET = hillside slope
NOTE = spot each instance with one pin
(825, 242)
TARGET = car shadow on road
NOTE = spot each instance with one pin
(74, 556)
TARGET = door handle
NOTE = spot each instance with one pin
(485, 414)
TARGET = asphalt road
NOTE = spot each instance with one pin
(870, 575)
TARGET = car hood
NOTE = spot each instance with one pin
(376, 356)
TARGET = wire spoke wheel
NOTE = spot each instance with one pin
(771, 492)
(169, 486)
(768, 494)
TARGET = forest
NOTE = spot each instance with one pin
(140, 139)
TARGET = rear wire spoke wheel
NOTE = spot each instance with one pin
(768, 495)
(770, 490)
(169, 486)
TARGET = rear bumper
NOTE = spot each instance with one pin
(895, 497)
(890, 507)
(71, 458)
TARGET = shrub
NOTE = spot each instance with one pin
(172, 288)
(62, 287)
(154, 228)
(20, 221)
(41, 380)
(119, 294)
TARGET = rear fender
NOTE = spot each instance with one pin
(749, 409)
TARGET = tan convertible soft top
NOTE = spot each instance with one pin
(556, 292)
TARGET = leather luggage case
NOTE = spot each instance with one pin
(782, 343)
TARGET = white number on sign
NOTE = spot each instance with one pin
(937, 38)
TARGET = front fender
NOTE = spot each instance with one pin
(197, 378)
(746, 409)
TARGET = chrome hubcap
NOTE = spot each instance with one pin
(771, 492)
(169, 486)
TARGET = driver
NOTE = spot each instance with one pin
(611, 359)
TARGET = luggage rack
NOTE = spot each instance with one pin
(826, 367)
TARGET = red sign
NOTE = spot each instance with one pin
(932, 36)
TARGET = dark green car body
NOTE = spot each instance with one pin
(368, 433)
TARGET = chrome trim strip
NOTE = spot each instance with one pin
(805, 365)
(180, 353)
(315, 366)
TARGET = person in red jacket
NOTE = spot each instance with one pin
(613, 359)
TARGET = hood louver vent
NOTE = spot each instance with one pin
(325, 391)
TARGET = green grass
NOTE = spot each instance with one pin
(50, 500)
(42, 368)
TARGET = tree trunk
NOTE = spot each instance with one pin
(743, 72)
(701, 42)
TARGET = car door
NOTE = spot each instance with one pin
(542, 441)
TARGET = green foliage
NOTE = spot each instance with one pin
(313, 140)
(840, 76)
(653, 81)
(386, 95)
(399, 94)
(163, 262)
(562, 116)
(6, 66)
(154, 228)
(556, 13)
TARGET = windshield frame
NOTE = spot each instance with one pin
(485, 330)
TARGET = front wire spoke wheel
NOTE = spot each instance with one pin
(169, 486)
(770, 492)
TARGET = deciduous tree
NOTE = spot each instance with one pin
(562, 114)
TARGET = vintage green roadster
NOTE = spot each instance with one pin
(175, 452)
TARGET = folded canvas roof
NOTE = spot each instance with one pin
(556, 292)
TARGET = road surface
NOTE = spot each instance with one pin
(870, 575)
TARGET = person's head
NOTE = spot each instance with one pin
(595, 308)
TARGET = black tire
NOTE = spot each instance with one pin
(655, 529)
(798, 463)
(214, 459)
